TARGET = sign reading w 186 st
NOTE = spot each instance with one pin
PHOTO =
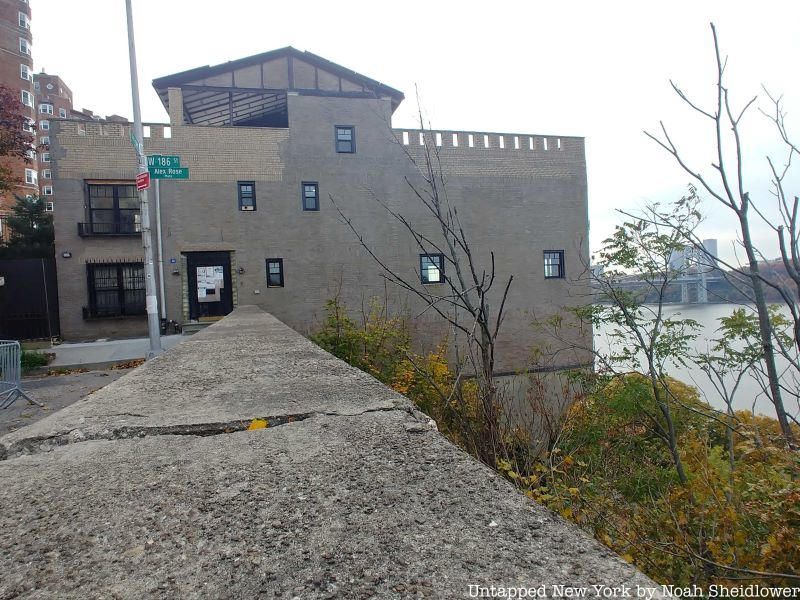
(166, 167)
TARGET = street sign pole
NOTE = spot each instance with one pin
(153, 326)
(162, 302)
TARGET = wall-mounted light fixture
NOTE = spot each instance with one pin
(66, 254)
(241, 270)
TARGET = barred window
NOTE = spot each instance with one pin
(115, 289)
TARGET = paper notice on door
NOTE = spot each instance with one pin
(210, 282)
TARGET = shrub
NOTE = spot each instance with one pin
(32, 360)
(739, 511)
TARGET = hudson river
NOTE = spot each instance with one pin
(749, 395)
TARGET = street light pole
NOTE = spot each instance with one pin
(153, 325)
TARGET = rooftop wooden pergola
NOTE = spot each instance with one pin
(252, 91)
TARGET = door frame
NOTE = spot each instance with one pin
(185, 276)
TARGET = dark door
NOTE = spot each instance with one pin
(210, 293)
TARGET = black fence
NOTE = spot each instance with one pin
(28, 299)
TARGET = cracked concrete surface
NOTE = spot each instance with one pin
(235, 371)
(153, 487)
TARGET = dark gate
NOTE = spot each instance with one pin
(28, 299)
(210, 293)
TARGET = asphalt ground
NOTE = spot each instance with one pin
(55, 392)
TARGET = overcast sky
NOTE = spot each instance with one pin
(600, 70)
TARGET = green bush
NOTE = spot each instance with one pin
(32, 360)
(738, 514)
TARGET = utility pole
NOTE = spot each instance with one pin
(153, 325)
(162, 301)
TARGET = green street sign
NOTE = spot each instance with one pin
(169, 172)
(158, 160)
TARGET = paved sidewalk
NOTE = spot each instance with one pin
(106, 352)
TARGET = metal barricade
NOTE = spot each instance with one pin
(11, 374)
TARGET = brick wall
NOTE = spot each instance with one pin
(515, 202)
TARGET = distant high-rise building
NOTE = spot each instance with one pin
(16, 73)
(691, 257)
(53, 101)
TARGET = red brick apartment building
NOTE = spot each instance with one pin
(16, 73)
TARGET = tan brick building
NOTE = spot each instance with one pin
(268, 141)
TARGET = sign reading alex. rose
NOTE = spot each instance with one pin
(166, 167)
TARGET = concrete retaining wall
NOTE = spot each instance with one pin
(154, 487)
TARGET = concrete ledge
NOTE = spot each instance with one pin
(152, 487)
(85, 354)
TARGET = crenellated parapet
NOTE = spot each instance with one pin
(492, 154)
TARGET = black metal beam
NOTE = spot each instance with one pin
(201, 106)
(241, 104)
(244, 110)
(209, 117)
(222, 122)
(300, 91)
(326, 93)
(217, 88)
(239, 97)
(202, 94)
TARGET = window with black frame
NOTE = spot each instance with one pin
(115, 289)
(554, 264)
(247, 195)
(310, 195)
(114, 210)
(274, 272)
(345, 139)
(431, 268)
